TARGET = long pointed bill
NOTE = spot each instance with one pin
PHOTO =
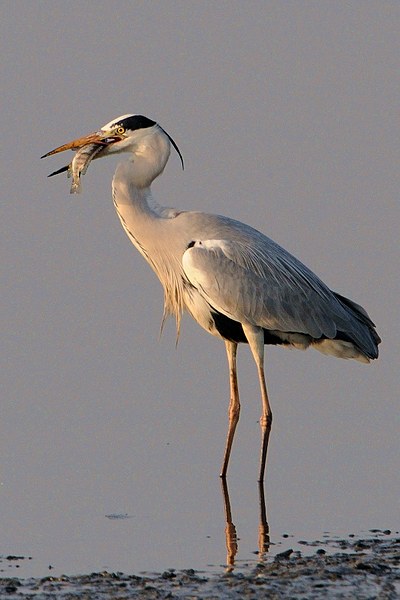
(86, 149)
(92, 138)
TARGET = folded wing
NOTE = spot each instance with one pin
(263, 285)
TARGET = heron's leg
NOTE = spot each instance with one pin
(255, 337)
(234, 404)
(265, 421)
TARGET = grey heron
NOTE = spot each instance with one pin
(238, 284)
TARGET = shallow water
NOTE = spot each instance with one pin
(362, 568)
(187, 529)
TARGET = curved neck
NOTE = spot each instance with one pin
(142, 218)
(137, 210)
(144, 223)
(133, 202)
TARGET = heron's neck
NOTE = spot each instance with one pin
(139, 213)
(137, 205)
(144, 222)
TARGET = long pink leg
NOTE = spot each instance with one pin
(234, 404)
(255, 337)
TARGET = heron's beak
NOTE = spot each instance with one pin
(103, 138)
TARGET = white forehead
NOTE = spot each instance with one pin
(110, 125)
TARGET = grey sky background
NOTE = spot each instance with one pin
(287, 114)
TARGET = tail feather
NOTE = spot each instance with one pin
(365, 338)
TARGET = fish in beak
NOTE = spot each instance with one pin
(86, 149)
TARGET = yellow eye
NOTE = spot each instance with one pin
(120, 130)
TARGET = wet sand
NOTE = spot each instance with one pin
(362, 568)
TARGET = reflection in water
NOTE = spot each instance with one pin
(263, 527)
(230, 528)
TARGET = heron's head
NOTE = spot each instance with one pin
(135, 134)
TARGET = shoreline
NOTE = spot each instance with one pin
(360, 568)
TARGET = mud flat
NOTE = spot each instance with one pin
(362, 568)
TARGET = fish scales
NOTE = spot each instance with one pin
(80, 164)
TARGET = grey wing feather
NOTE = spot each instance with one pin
(256, 281)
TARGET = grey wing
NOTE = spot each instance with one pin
(258, 282)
